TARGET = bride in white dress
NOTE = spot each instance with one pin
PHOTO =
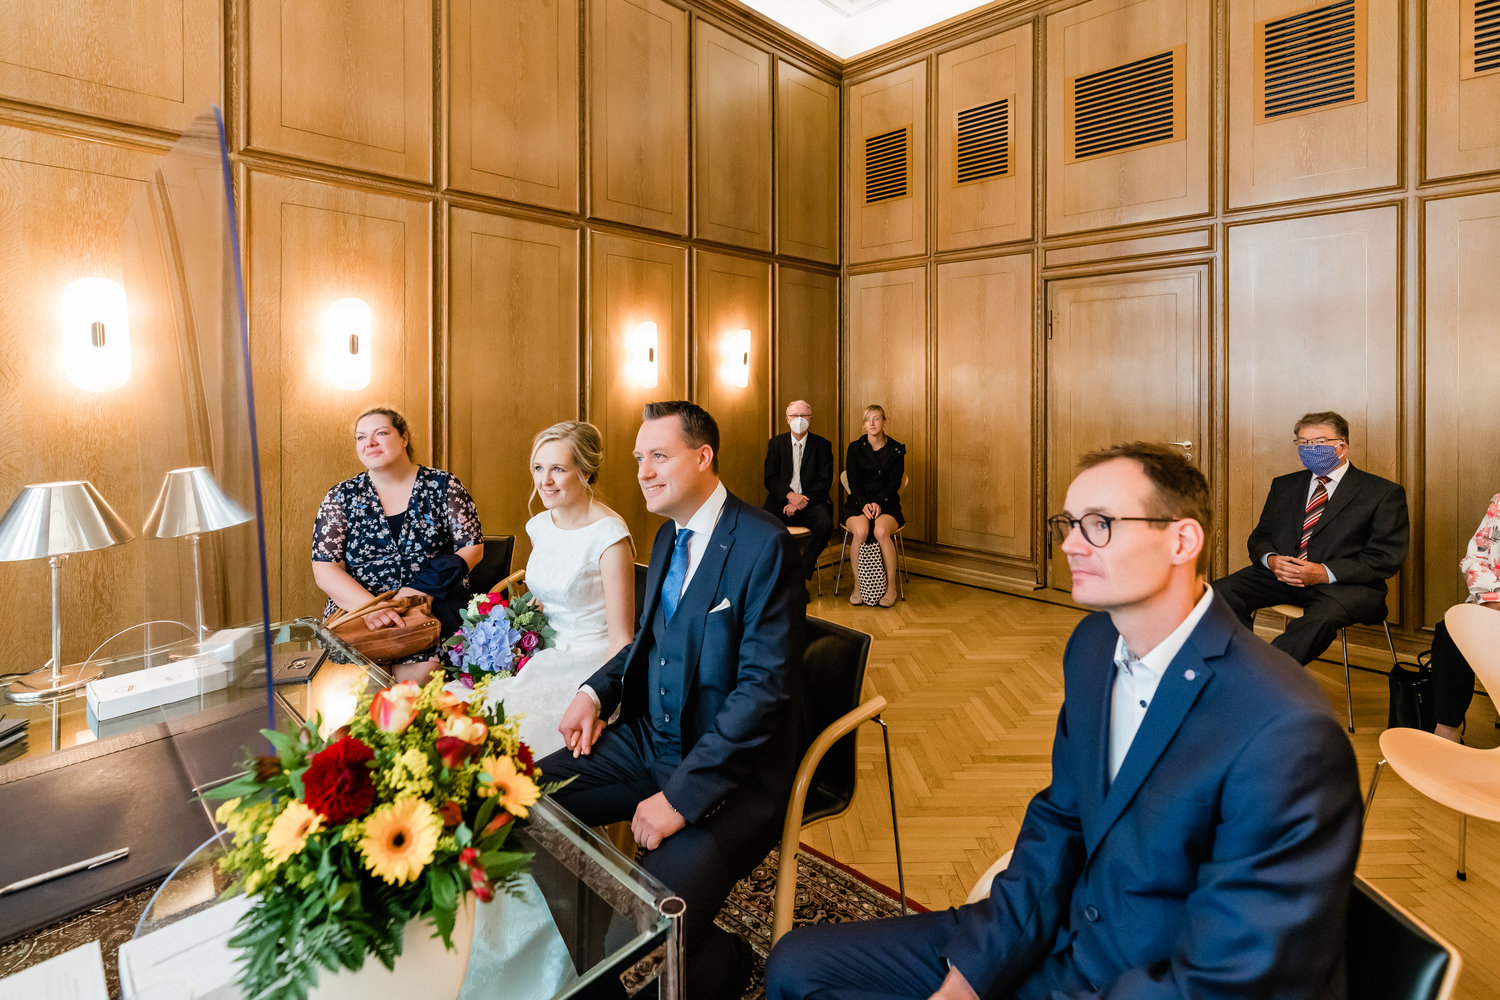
(581, 571)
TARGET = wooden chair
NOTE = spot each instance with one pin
(834, 672)
(1462, 778)
(1290, 611)
(897, 539)
(1388, 953)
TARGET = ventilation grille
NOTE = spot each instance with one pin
(1125, 107)
(983, 137)
(1481, 29)
(888, 166)
(1311, 61)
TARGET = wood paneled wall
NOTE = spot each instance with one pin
(1226, 270)
(510, 185)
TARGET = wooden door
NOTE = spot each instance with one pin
(1125, 355)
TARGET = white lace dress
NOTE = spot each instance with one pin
(563, 574)
(517, 950)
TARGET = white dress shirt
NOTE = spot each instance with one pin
(1136, 680)
(797, 446)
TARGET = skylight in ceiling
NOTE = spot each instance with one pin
(849, 27)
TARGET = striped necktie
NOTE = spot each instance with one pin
(1315, 505)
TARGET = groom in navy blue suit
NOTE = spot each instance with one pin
(1199, 836)
(702, 755)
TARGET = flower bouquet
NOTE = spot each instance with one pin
(341, 842)
(498, 636)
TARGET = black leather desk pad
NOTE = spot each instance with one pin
(130, 791)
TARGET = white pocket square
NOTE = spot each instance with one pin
(720, 606)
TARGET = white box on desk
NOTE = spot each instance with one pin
(230, 644)
(110, 697)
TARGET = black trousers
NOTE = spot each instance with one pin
(898, 958)
(1452, 679)
(817, 518)
(625, 768)
(1325, 608)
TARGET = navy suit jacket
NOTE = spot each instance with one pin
(743, 609)
(1218, 862)
(1361, 535)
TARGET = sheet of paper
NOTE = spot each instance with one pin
(73, 975)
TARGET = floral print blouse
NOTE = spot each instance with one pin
(1481, 564)
(351, 528)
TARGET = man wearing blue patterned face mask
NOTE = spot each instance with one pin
(1328, 539)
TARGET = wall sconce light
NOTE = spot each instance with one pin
(642, 353)
(96, 334)
(346, 339)
(736, 368)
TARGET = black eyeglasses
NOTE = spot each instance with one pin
(1095, 527)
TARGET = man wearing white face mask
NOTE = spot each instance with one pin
(1328, 540)
(799, 474)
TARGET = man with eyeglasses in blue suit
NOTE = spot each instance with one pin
(1199, 835)
(1327, 541)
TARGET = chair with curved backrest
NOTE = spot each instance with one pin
(1388, 953)
(897, 539)
(833, 662)
(494, 564)
(1290, 611)
(1462, 778)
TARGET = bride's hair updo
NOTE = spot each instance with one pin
(585, 445)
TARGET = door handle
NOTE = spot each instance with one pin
(1184, 445)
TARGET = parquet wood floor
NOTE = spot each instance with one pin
(974, 681)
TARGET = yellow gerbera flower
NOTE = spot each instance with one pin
(400, 839)
(289, 832)
(517, 792)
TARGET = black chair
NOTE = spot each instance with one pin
(640, 588)
(833, 671)
(1391, 956)
(494, 565)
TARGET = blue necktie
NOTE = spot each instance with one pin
(671, 587)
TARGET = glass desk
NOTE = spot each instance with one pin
(604, 921)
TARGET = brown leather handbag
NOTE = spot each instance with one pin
(418, 630)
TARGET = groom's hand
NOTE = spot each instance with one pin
(655, 820)
(580, 726)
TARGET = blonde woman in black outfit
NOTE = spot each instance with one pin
(876, 465)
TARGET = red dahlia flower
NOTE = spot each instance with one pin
(338, 782)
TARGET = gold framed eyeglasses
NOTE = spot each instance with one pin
(1299, 442)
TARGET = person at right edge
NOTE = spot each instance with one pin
(1327, 541)
(1452, 677)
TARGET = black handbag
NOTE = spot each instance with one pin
(1411, 695)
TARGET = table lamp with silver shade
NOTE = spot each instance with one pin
(53, 521)
(192, 504)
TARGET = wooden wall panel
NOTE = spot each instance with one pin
(886, 363)
(631, 282)
(807, 165)
(153, 64)
(896, 227)
(1461, 302)
(1463, 110)
(1164, 181)
(513, 119)
(638, 113)
(1313, 314)
(513, 315)
(732, 136)
(310, 245)
(734, 294)
(807, 351)
(1347, 148)
(983, 499)
(997, 210)
(67, 226)
(342, 82)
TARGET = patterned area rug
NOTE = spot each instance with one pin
(827, 892)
